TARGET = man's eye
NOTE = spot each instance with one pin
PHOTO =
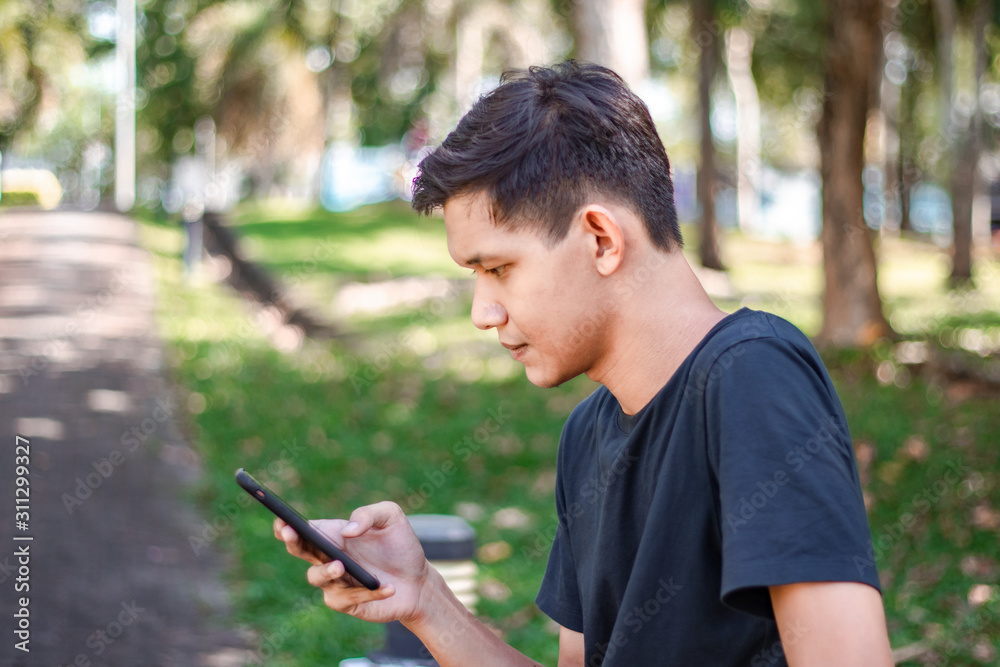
(496, 271)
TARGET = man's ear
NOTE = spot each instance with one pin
(605, 237)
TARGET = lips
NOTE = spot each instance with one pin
(516, 351)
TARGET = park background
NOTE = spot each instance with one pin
(834, 164)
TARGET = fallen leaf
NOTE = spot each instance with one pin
(491, 589)
(864, 454)
(890, 471)
(470, 511)
(980, 594)
(494, 551)
(979, 567)
(511, 517)
(915, 448)
(545, 483)
(985, 517)
(984, 652)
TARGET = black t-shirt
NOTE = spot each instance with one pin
(738, 475)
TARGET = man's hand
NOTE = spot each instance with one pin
(831, 624)
(380, 538)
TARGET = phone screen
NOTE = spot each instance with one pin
(305, 530)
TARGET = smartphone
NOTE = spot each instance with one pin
(305, 530)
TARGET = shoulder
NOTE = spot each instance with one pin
(754, 341)
(737, 331)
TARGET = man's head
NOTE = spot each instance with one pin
(546, 142)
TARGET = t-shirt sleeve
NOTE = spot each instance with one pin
(559, 595)
(790, 503)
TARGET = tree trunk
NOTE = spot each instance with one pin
(963, 178)
(852, 308)
(906, 175)
(944, 32)
(964, 175)
(739, 50)
(705, 35)
(908, 172)
(890, 98)
(613, 33)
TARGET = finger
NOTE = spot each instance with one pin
(297, 547)
(327, 574)
(376, 516)
(278, 525)
(333, 574)
(346, 600)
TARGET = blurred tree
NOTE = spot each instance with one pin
(283, 78)
(852, 308)
(613, 33)
(496, 35)
(246, 66)
(40, 41)
(705, 32)
(749, 160)
(961, 125)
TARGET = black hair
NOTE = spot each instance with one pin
(547, 140)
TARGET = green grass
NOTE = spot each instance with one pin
(335, 425)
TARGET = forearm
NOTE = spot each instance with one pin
(454, 636)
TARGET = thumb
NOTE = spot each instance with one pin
(374, 516)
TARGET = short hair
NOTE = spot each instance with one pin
(545, 142)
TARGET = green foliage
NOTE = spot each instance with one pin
(40, 40)
(390, 84)
(788, 54)
(166, 66)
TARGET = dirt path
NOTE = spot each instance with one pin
(109, 576)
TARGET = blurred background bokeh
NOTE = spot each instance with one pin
(834, 162)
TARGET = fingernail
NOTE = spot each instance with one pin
(353, 525)
(331, 568)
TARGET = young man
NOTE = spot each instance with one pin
(709, 507)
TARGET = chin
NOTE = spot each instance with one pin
(547, 381)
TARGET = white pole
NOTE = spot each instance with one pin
(125, 111)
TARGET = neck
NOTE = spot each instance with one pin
(661, 314)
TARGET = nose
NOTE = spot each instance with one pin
(486, 310)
